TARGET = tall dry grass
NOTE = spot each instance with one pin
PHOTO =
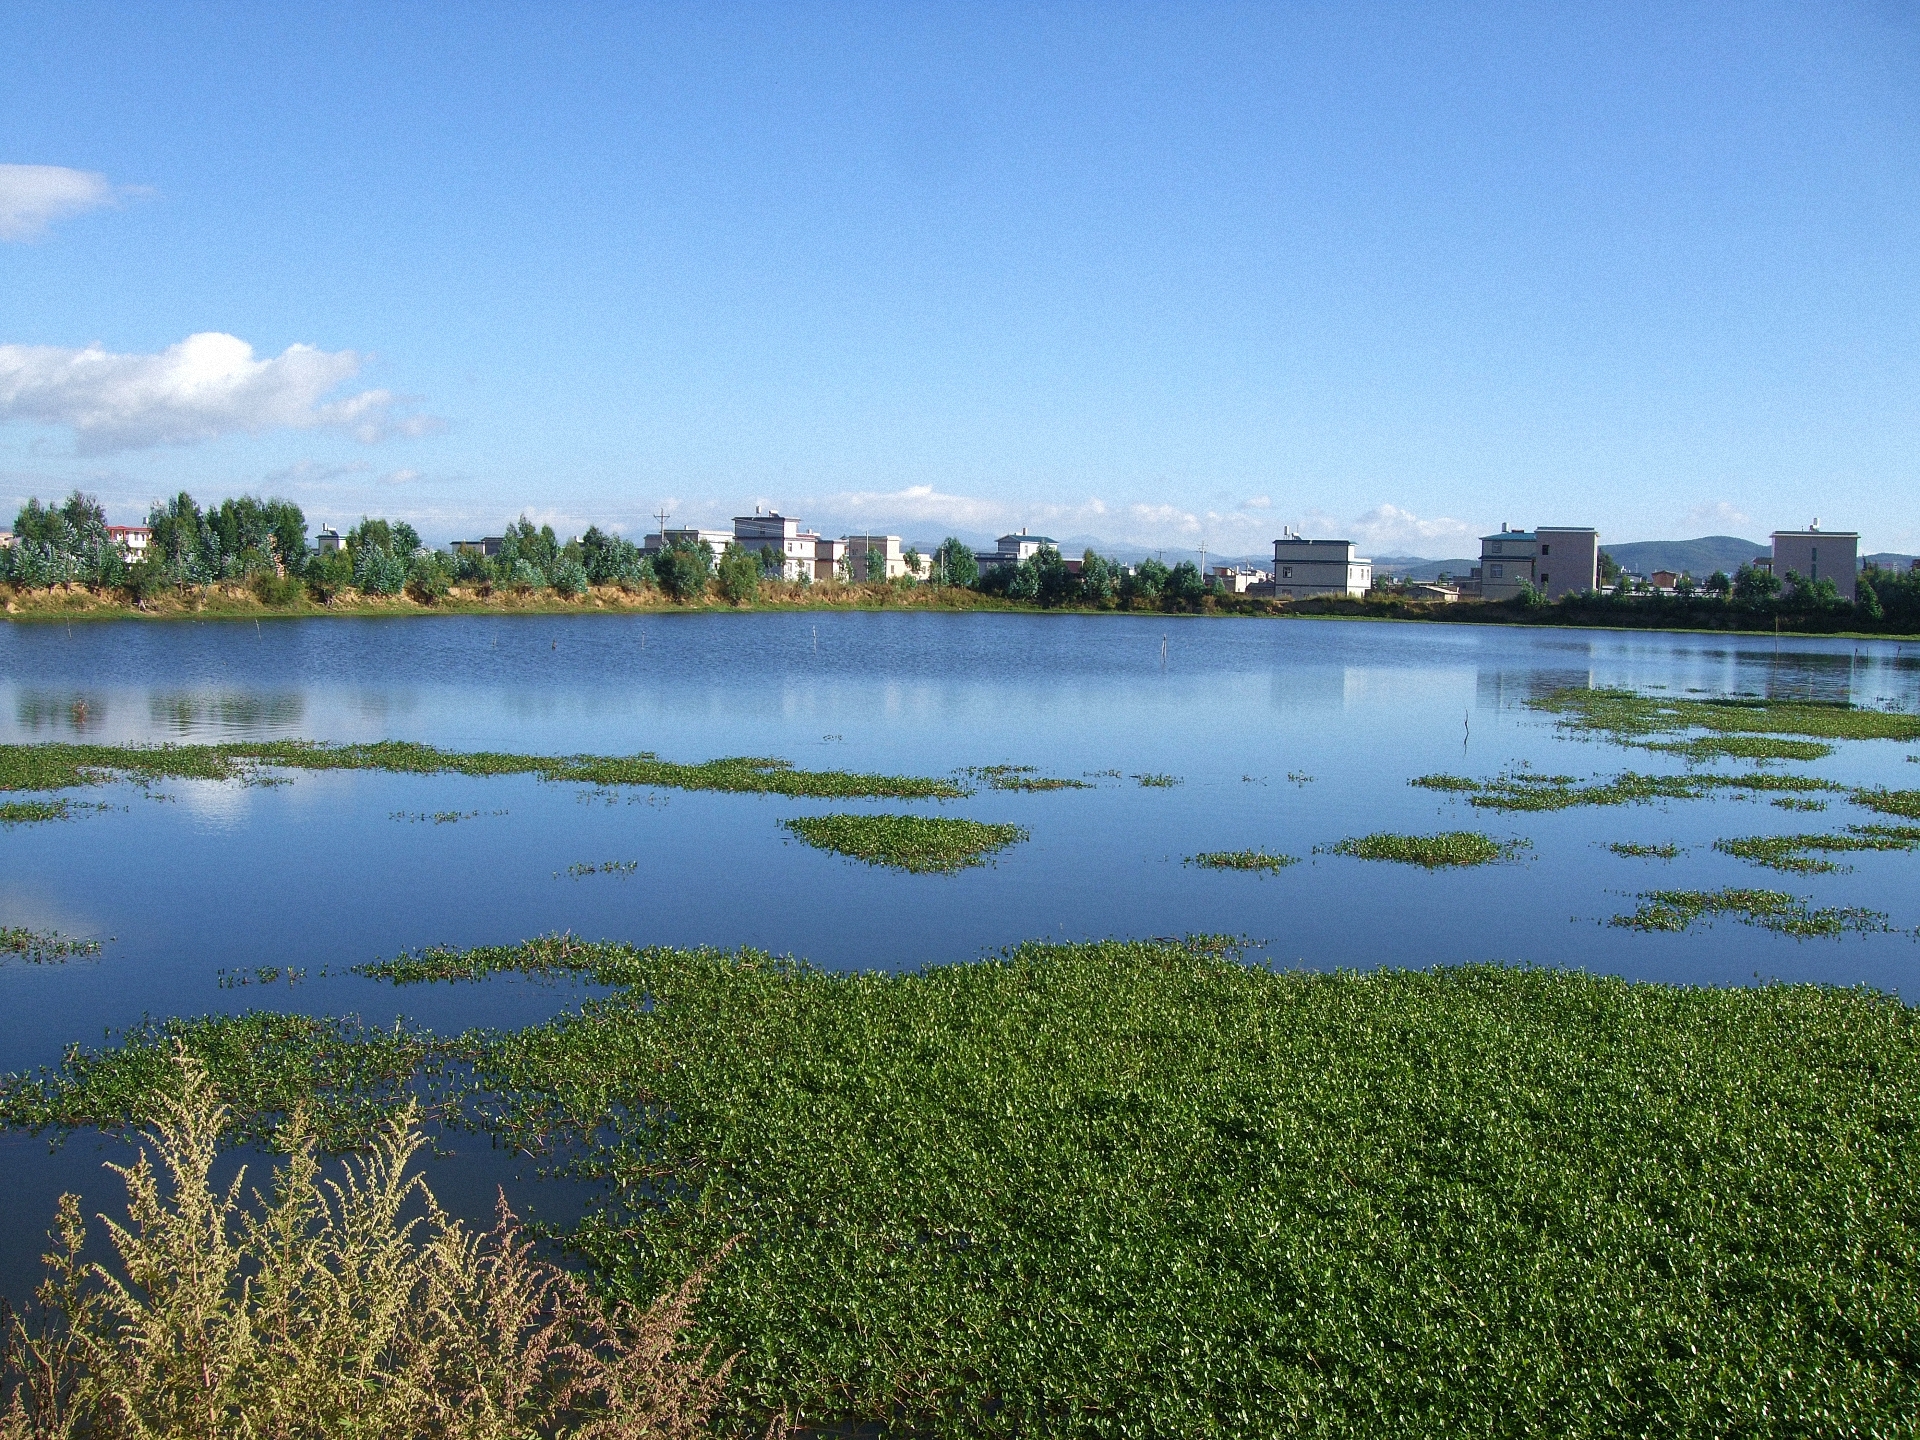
(321, 1310)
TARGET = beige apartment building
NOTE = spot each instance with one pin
(1556, 559)
(1818, 554)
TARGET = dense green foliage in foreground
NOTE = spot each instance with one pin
(1450, 847)
(920, 843)
(1146, 1190)
(60, 766)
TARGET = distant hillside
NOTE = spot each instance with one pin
(1412, 567)
(1698, 558)
(1886, 560)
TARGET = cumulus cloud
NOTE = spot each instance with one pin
(1391, 530)
(1721, 512)
(206, 386)
(32, 197)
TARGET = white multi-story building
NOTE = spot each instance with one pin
(1816, 554)
(715, 540)
(879, 557)
(1238, 579)
(798, 549)
(1303, 567)
(1012, 549)
(132, 540)
(1555, 559)
(327, 540)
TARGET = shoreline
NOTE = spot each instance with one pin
(65, 604)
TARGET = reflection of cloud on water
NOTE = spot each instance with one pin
(40, 910)
(223, 805)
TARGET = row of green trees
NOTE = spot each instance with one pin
(1754, 598)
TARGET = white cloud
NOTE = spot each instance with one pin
(206, 386)
(400, 477)
(33, 196)
(1722, 512)
(1392, 531)
(1257, 502)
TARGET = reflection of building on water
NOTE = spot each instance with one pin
(74, 712)
(1506, 687)
(187, 712)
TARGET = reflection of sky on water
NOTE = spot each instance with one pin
(318, 874)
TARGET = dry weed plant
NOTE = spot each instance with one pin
(324, 1311)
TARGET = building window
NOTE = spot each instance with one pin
(1498, 570)
(1288, 572)
(1543, 577)
(1543, 550)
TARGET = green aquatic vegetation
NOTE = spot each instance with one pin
(919, 843)
(43, 946)
(32, 812)
(1451, 847)
(1144, 1189)
(1635, 851)
(1675, 910)
(1795, 853)
(1158, 782)
(62, 766)
(347, 1075)
(605, 867)
(1020, 777)
(1741, 747)
(439, 817)
(1458, 783)
(1905, 803)
(1242, 860)
(242, 976)
(1794, 802)
(1629, 716)
(1525, 790)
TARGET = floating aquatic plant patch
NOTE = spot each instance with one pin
(605, 867)
(346, 1075)
(1020, 777)
(1797, 854)
(920, 843)
(1674, 910)
(1629, 716)
(1889, 802)
(61, 766)
(1635, 851)
(43, 946)
(1142, 1189)
(30, 812)
(1158, 782)
(1242, 860)
(1741, 747)
(1526, 790)
(1796, 802)
(1451, 847)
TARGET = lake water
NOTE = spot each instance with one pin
(1282, 735)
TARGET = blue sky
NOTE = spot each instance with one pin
(1154, 274)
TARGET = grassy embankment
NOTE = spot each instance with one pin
(49, 767)
(1120, 1189)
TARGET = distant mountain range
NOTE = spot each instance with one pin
(1698, 558)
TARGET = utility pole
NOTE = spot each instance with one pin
(662, 516)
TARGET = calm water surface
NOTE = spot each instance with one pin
(1283, 734)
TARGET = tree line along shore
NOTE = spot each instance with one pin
(249, 558)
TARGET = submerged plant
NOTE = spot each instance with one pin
(1635, 851)
(1242, 860)
(1158, 782)
(1774, 910)
(918, 843)
(323, 1311)
(1021, 777)
(1449, 848)
(30, 812)
(43, 945)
